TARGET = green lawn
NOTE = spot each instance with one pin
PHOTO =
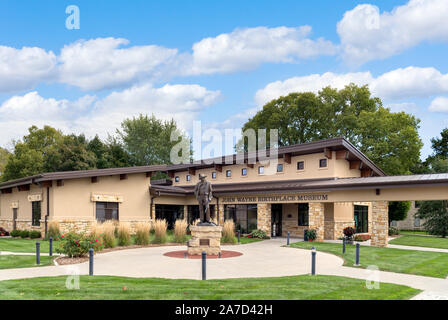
(421, 241)
(424, 263)
(413, 232)
(305, 287)
(24, 245)
(15, 261)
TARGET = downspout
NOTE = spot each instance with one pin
(48, 210)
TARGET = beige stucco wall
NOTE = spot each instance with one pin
(72, 201)
(335, 168)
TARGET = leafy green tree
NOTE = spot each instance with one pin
(109, 154)
(398, 210)
(29, 155)
(440, 146)
(435, 214)
(147, 139)
(70, 154)
(390, 139)
(4, 155)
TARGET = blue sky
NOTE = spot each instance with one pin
(214, 61)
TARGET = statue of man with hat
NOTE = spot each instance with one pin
(203, 193)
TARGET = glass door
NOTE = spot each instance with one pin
(276, 220)
(361, 219)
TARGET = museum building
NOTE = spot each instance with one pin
(325, 185)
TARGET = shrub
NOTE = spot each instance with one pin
(142, 230)
(259, 234)
(311, 234)
(124, 234)
(160, 227)
(75, 244)
(15, 233)
(393, 231)
(3, 232)
(228, 232)
(180, 231)
(349, 232)
(107, 230)
(24, 234)
(34, 234)
(53, 231)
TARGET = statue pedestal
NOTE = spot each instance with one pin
(205, 238)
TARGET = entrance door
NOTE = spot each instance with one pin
(276, 220)
(14, 219)
(361, 219)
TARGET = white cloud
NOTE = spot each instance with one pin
(245, 49)
(366, 34)
(439, 104)
(101, 63)
(397, 84)
(23, 68)
(92, 116)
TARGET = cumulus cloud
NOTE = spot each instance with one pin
(245, 49)
(439, 104)
(23, 68)
(410, 82)
(91, 115)
(103, 63)
(366, 34)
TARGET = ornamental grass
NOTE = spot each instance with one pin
(160, 227)
(107, 230)
(180, 231)
(124, 234)
(54, 230)
(142, 230)
(228, 232)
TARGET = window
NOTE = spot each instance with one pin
(228, 173)
(170, 213)
(106, 211)
(214, 175)
(261, 170)
(177, 179)
(417, 222)
(280, 167)
(300, 165)
(36, 212)
(244, 216)
(188, 177)
(361, 219)
(244, 172)
(303, 214)
(322, 163)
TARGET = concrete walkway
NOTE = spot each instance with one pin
(260, 259)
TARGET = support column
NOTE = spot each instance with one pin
(317, 219)
(186, 213)
(264, 217)
(153, 212)
(221, 214)
(380, 223)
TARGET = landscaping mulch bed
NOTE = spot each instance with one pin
(64, 260)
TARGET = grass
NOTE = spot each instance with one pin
(245, 240)
(304, 287)
(24, 245)
(414, 232)
(16, 261)
(421, 241)
(423, 263)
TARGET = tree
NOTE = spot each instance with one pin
(398, 210)
(29, 155)
(4, 155)
(390, 139)
(440, 146)
(147, 140)
(435, 214)
(109, 154)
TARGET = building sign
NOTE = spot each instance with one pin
(14, 205)
(35, 197)
(106, 198)
(275, 198)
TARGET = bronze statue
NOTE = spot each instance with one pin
(203, 193)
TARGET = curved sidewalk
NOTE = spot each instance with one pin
(261, 259)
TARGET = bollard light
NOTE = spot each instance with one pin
(219, 255)
(239, 236)
(343, 245)
(51, 246)
(37, 252)
(287, 241)
(90, 262)
(204, 265)
(185, 254)
(357, 255)
(313, 261)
